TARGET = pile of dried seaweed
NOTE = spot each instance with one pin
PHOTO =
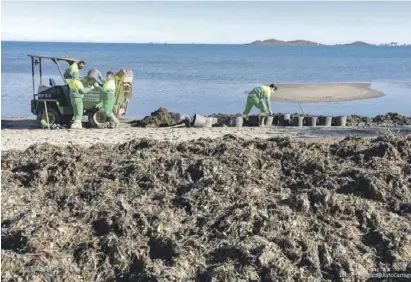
(207, 210)
(386, 119)
(159, 118)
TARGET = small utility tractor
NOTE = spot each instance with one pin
(51, 103)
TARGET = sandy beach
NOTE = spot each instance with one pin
(20, 133)
(24, 138)
(324, 92)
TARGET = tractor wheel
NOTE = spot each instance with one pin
(98, 119)
(53, 115)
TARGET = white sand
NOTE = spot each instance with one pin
(324, 92)
(21, 139)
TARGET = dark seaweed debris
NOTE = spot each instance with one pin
(208, 210)
(159, 118)
(386, 119)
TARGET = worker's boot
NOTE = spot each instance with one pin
(113, 121)
(262, 120)
(76, 124)
(116, 122)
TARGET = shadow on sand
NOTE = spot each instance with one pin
(19, 123)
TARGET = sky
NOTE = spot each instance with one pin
(206, 22)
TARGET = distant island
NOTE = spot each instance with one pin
(275, 42)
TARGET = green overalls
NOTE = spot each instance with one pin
(259, 97)
(109, 100)
(77, 91)
(109, 89)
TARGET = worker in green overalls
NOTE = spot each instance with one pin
(77, 91)
(108, 91)
(260, 97)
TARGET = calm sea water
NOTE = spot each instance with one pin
(212, 78)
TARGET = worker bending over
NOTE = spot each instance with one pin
(77, 91)
(74, 67)
(109, 90)
(260, 97)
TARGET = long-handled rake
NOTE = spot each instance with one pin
(301, 108)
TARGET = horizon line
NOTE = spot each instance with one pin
(193, 43)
